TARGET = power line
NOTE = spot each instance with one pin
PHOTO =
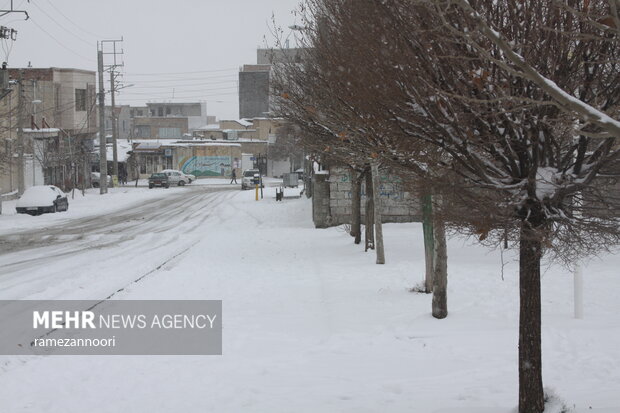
(180, 79)
(180, 97)
(59, 43)
(96, 36)
(182, 73)
(139, 85)
(63, 27)
(129, 92)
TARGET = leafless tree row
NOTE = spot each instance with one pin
(507, 111)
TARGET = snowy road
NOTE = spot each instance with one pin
(79, 258)
(311, 324)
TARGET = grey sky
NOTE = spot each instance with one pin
(213, 37)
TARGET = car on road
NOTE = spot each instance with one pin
(95, 179)
(250, 178)
(39, 199)
(159, 179)
(176, 177)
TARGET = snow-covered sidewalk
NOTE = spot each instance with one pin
(311, 324)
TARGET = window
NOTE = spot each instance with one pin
(143, 131)
(168, 111)
(124, 125)
(174, 133)
(80, 100)
(160, 112)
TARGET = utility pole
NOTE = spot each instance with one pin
(20, 136)
(103, 161)
(114, 130)
(112, 67)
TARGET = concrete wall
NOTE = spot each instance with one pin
(397, 205)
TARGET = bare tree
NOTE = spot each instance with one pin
(505, 109)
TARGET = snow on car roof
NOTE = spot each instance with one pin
(42, 195)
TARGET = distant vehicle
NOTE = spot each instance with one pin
(159, 179)
(250, 178)
(178, 177)
(95, 179)
(39, 199)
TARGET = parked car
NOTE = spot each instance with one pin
(250, 178)
(177, 177)
(159, 179)
(190, 178)
(39, 199)
(95, 179)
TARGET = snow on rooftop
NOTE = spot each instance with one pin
(212, 126)
(122, 149)
(43, 130)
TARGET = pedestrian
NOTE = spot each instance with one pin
(233, 176)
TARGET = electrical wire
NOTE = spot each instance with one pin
(185, 79)
(63, 27)
(139, 85)
(59, 43)
(182, 73)
(164, 98)
(129, 92)
(95, 36)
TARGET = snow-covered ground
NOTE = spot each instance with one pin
(311, 324)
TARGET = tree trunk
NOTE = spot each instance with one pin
(531, 395)
(308, 172)
(370, 213)
(356, 206)
(429, 244)
(378, 223)
(440, 270)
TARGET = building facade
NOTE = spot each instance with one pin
(61, 100)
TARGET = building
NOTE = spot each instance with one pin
(123, 121)
(257, 138)
(254, 89)
(155, 127)
(202, 159)
(195, 112)
(59, 103)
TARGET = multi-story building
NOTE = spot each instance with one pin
(254, 91)
(123, 121)
(59, 111)
(155, 127)
(195, 112)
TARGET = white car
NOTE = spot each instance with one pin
(176, 177)
(250, 178)
(95, 179)
(39, 199)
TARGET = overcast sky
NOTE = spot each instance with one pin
(212, 37)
